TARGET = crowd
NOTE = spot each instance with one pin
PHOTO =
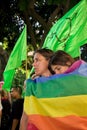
(46, 63)
(11, 108)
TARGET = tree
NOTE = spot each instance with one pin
(3, 61)
(39, 15)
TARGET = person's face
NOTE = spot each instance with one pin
(13, 93)
(40, 64)
(59, 69)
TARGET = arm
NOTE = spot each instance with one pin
(24, 122)
(14, 124)
(0, 111)
(0, 116)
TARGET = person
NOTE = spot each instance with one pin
(24, 88)
(56, 106)
(0, 109)
(60, 62)
(17, 107)
(6, 111)
(41, 59)
(1, 83)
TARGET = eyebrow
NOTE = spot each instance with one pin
(58, 68)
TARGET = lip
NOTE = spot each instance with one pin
(36, 69)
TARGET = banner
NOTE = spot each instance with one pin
(69, 33)
(18, 54)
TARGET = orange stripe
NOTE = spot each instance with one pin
(59, 123)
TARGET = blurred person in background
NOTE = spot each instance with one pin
(6, 110)
(17, 107)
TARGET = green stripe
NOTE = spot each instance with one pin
(65, 86)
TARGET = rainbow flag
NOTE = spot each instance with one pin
(58, 102)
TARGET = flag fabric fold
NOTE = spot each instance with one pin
(58, 102)
(70, 31)
(18, 54)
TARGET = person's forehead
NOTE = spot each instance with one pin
(56, 65)
(38, 56)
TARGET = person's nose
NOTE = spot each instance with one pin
(34, 64)
(57, 72)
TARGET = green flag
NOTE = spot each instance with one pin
(70, 31)
(18, 54)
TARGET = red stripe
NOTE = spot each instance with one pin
(60, 123)
(31, 127)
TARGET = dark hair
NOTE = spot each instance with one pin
(47, 53)
(60, 58)
(3, 92)
(18, 89)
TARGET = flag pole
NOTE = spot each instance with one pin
(26, 57)
(80, 54)
(26, 68)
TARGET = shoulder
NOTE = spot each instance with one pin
(20, 101)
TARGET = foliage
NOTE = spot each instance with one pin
(84, 52)
(3, 61)
(39, 16)
(19, 78)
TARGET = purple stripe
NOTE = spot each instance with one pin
(78, 68)
(75, 66)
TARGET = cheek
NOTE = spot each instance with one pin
(44, 64)
(37, 65)
(57, 72)
(64, 69)
(43, 67)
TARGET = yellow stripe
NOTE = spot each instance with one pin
(56, 107)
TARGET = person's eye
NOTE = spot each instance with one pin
(58, 68)
(35, 61)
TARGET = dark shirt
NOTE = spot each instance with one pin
(17, 109)
(6, 111)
